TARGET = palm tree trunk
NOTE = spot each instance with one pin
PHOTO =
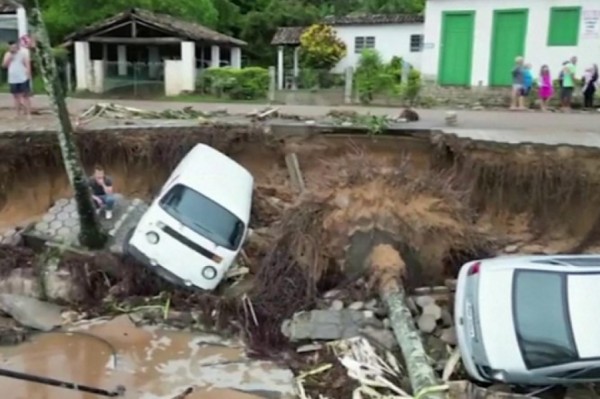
(91, 234)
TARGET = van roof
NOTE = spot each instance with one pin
(219, 177)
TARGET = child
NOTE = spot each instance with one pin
(546, 88)
(590, 81)
(527, 80)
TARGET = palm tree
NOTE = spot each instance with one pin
(91, 234)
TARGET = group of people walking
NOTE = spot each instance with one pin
(523, 81)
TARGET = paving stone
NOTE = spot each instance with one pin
(63, 216)
(62, 202)
(48, 217)
(42, 226)
(71, 207)
(56, 224)
(71, 222)
(65, 233)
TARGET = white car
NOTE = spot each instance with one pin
(195, 228)
(530, 320)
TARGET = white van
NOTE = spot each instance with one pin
(195, 228)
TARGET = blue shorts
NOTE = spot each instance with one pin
(20, 88)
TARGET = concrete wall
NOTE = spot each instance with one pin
(390, 40)
(174, 85)
(537, 52)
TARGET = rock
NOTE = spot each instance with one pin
(387, 323)
(451, 283)
(447, 319)
(309, 348)
(372, 305)
(347, 124)
(326, 324)
(449, 336)
(427, 323)
(331, 294)
(337, 305)
(433, 310)
(31, 313)
(478, 108)
(511, 249)
(369, 314)
(356, 305)
(412, 305)
(384, 338)
(424, 300)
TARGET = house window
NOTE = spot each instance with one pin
(363, 42)
(416, 43)
(564, 26)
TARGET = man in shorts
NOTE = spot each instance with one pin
(102, 192)
(18, 64)
(568, 84)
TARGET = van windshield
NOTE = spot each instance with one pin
(204, 216)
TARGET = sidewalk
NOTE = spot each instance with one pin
(532, 122)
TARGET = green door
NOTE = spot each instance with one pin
(508, 43)
(456, 52)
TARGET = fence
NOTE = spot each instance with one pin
(133, 79)
(312, 87)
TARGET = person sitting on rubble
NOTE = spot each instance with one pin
(102, 191)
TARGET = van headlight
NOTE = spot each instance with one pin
(209, 272)
(152, 237)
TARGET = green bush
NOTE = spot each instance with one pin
(237, 84)
(372, 77)
(413, 86)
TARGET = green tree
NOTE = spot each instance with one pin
(91, 234)
(321, 48)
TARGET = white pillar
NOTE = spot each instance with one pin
(188, 66)
(98, 71)
(215, 56)
(280, 68)
(122, 59)
(154, 61)
(236, 57)
(296, 69)
(22, 21)
(82, 65)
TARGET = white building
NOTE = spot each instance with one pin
(141, 47)
(13, 21)
(396, 35)
(475, 42)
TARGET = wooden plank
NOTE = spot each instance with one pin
(135, 40)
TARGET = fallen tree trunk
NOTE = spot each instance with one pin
(389, 268)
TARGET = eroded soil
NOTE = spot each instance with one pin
(431, 204)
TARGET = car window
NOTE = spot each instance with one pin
(203, 215)
(587, 261)
(541, 319)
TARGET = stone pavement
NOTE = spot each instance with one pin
(60, 224)
(534, 122)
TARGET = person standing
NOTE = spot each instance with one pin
(568, 86)
(527, 82)
(546, 88)
(518, 77)
(590, 84)
(18, 64)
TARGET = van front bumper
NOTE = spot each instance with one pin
(157, 269)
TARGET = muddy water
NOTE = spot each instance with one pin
(32, 195)
(151, 364)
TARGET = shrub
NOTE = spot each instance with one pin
(321, 48)
(371, 76)
(238, 84)
(413, 86)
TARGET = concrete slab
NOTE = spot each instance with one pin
(579, 139)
